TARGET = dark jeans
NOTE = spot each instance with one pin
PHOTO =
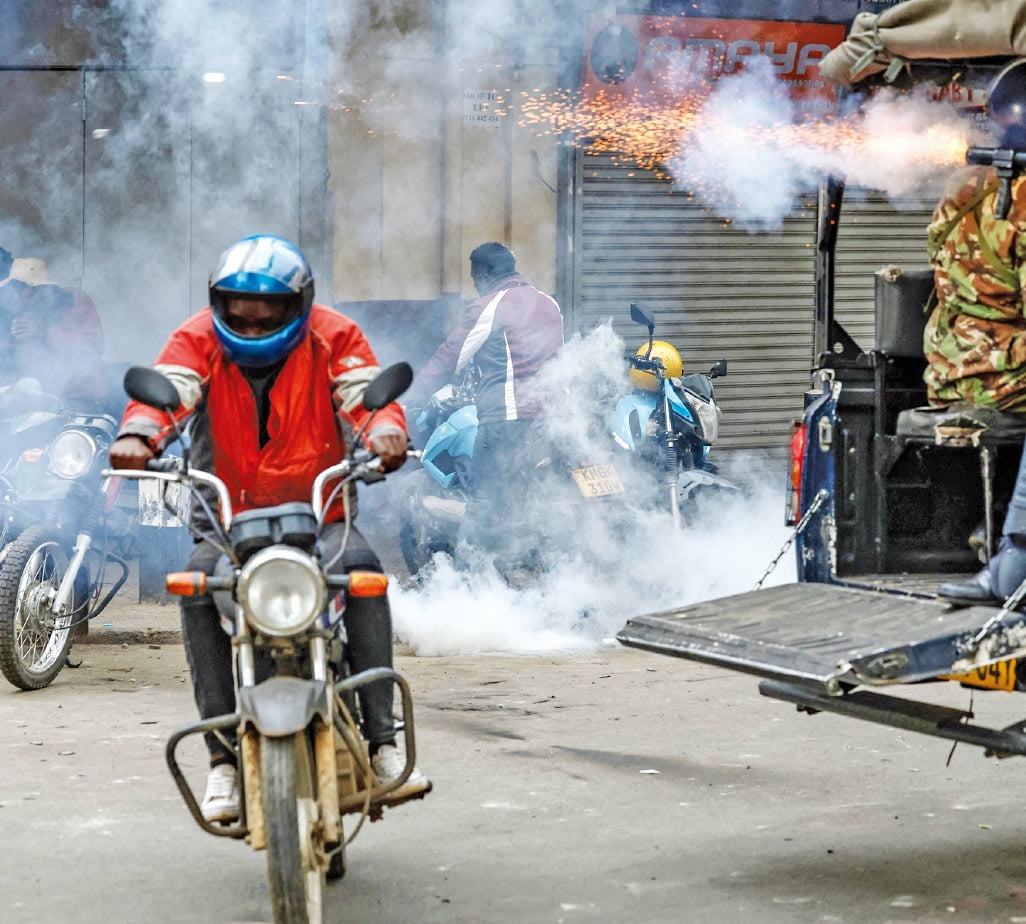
(368, 625)
(505, 454)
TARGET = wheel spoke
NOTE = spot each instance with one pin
(41, 633)
(33, 641)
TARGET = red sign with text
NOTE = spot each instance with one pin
(669, 54)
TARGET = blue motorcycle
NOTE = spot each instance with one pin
(669, 421)
(436, 495)
(563, 482)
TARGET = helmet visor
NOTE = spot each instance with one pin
(254, 317)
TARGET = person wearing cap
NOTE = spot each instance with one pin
(509, 333)
(52, 333)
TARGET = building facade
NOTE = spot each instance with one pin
(389, 139)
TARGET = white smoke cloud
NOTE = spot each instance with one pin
(615, 560)
(749, 155)
(579, 604)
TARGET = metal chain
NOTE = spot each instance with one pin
(1011, 603)
(817, 502)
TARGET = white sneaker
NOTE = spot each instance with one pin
(388, 764)
(221, 800)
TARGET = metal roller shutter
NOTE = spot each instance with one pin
(874, 232)
(720, 292)
(717, 291)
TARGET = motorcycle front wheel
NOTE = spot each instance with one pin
(295, 872)
(419, 536)
(34, 642)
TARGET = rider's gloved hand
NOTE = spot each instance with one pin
(130, 452)
(389, 444)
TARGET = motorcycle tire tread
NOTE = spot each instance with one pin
(16, 559)
(286, 769)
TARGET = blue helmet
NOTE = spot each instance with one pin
(270, 268)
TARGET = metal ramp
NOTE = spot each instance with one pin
(819, 634)
(815, 643)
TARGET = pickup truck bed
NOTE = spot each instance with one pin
(826, 634)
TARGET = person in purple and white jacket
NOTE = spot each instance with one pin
(509, 333)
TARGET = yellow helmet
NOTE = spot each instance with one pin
(672, 363)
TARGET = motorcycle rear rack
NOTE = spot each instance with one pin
(379, 795)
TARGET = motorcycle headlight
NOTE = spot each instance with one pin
(281, 591)
(72, 453)
(708, 415)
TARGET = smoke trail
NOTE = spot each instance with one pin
(748, 155)
(743, 147)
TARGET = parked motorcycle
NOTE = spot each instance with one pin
(565, 478)
(669, 421)
(303, 764)
(58, 531)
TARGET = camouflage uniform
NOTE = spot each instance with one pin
(975, 337)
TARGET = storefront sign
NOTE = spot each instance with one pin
(665, 54)
(483, 108)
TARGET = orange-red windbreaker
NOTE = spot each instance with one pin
(318, 391)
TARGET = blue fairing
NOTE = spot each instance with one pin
(639, 405)
(630, 415)
(450, 439)
(676, 404)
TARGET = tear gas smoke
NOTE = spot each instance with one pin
(614, 560)
(741, 145)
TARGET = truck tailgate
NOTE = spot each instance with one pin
(825, 632)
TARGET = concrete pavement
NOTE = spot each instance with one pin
(592, 788)
(127, 621)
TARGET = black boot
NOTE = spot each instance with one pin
(996, 582)
(975, 590)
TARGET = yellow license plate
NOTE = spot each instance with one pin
(1000, 676)
(598, 480)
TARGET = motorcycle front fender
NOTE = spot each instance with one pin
(693, 478)
(282, 706)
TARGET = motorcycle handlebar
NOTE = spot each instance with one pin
(163, 465)
(639, 362)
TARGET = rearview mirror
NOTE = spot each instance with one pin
(719, 369)
(388, 385)
(151, 388)
(641, 315)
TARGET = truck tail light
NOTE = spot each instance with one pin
(799, 439)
